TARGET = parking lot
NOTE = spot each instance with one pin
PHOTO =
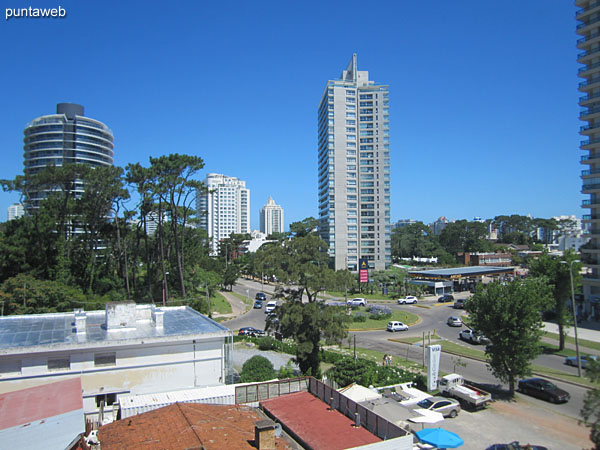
(520, 420)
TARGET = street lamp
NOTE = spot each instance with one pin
(574, 314)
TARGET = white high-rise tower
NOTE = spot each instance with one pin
(271, 218)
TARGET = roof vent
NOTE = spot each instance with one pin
(264, 435)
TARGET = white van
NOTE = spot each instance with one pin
(396, 326)
(271, 305)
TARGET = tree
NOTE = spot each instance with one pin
(557, 272)
(509, 315)
(365, 372)
(307, 324)
(257, 368)
(463, 236)
(591, 404)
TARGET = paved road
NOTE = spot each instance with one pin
(433, 317)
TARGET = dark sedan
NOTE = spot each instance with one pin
(544, 389)
(446, 298)
(261, 296)
(250, 331)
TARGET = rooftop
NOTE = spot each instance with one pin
(119, 323)
(186, 425)
(456, 272)
(52, 412)
(316, 426)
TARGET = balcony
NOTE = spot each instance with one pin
(587, 10)
(589, 84)
(590, 22)
(590, 187)
(589, 112)
(588, 40)
(589, 69)
(590, 128)
(585, 173)
(586, 54)
(589, 142)
(588, 97)
(590, 159)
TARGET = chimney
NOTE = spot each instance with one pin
(80, 321)
(264, 435)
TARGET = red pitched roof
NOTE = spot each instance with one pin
(312, 423)
(40, 402)
(185, 426)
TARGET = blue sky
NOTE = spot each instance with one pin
(483, 95)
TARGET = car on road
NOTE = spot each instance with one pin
(516, 446)
(585, 359)
(396, 326)
(359, 301)
(454, 321)
(544, 389)
(446, 298)
(271, 306)
(261, 296)
(447, 406)
(257, 304)
(250, 331)
(473, 337)
(408, 300)
(459, 304)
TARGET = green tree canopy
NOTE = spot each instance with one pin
(257, 368)
(509, 315)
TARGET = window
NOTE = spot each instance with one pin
(8, 368)
(105, 359)
(351, 115)
(108, 399)
(59, 363)
(365, 96)
(350, 122)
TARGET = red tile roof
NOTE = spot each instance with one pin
(310, 421)
(40, 402)
(185, 426)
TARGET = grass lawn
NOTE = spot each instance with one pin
(247, 301)
(371, 324)
(219, 304)
(413, 339)
(571, 340)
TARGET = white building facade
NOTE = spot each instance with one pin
(271, 218)
(354, 170)
(224, 208)
(126, 349)
(15, 211)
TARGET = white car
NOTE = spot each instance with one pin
(408, 300)
(270, 307)
(357, 302)
(396, 326)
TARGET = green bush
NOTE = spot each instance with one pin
(267, 343)
(257, 368)
(359, 317)
(347, 370)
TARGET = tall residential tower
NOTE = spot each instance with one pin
(354, 170)
(67, 137)
(224, 208)
(271, 218)
(589, 30)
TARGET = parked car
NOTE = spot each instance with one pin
(396, 326)
(409, 299)
(250, 331)
(459, 304)
(572, 360)
(544, 389)
(473, 337)
(446, 298)
(516, 446)
(257, 304)
(454, 321)
(447, 406)
(261, 296)
(357, 302)
(270, 308)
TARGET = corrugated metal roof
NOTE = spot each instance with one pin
(59, 328)
(466, 271)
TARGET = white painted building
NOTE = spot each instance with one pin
(224, 208)
(271, 218)
(126, 349)
(15, 211)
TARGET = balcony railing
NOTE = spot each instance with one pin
(587, 8)
(589, 22)
(589, 142)
(587, 97)
(589, 127)
(587, 202)
(589, 37)
(589, 82)
(588, 67)
(588, 53)
(588, 111)
(587, 187)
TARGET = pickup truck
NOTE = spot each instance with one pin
(454, 386)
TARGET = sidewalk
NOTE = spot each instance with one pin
(589, 330)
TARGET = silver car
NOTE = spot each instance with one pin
(454, 321)
(572, 360)
(447, 406)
